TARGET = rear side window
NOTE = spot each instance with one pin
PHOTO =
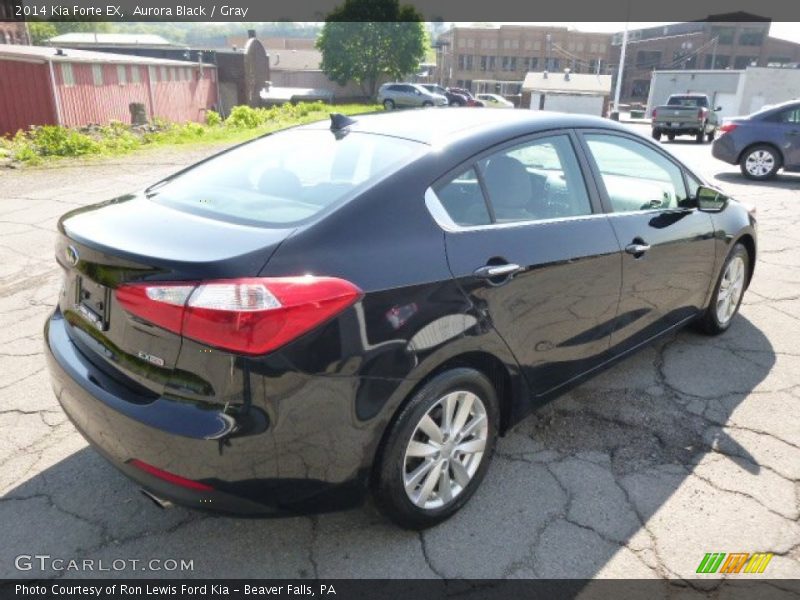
(534, 181)
(285, 178)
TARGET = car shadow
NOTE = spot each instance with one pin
(605, 480)
(781, 180)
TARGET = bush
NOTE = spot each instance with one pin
(52, 140)
(245, 117)
(213, 119)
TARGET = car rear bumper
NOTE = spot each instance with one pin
(678, 128)
(239, 475)
(724, 149)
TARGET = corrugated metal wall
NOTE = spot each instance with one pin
(25, 97)
(178, 93)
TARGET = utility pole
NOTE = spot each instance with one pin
(619, 72)
(714, 53)
(549, 48)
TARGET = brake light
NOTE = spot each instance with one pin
(253, 315)
(655, 110)
(170, 477)
(701, 112)
(728, 127)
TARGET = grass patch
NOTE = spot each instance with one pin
(41, 143)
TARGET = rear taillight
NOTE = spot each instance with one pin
(254, 315)
(655, 110)
(727, 127)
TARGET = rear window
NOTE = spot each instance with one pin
(285, 178)
(690, 101)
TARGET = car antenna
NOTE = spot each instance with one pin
(340, 121)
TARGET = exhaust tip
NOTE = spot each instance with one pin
(159, 502)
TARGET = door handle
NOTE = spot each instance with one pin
(637, 249)
(497, 271)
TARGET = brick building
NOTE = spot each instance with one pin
(495, 59)
(720, 42)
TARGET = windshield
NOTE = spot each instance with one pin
(285, 178)
(690, 101)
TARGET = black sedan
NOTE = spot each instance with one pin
(367, 305)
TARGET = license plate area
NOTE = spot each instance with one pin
(92, 301)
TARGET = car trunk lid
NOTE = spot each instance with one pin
(133, 239)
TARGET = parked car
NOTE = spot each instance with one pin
(763, 142)
(472, 101)
(453, 98)
(408, 95)
(275, 330)
(495, 101)
(686, 114)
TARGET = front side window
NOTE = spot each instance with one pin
(636, 177)
(276, 180)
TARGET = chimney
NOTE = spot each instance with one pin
(566, 74)
(60, 52)
(251, 34)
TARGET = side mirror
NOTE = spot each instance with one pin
(710, 200)
(719, 108)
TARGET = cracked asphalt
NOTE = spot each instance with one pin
(691, 446)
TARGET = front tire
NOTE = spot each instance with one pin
(760, 162)
(426, 104)
(728, 293)
(438, 449)
(388, 104)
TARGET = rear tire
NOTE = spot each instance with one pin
(430, 463)
(760, 162)
(671, 137)
(456, 103)
(388, 104)
(700, 136)
(656, 134)
(728, 293)
(426, 104)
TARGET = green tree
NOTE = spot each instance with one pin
(364, 40)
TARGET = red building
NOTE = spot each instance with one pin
(51, 86)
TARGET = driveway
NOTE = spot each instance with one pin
(691, 446)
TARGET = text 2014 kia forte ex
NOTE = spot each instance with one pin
(365, 305)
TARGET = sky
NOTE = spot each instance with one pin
(784, 31)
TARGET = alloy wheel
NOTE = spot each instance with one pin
(760, 163)
(445, 450)
(730, 290)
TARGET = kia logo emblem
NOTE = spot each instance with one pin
(71, 254)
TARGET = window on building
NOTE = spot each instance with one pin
(751, 37)
(492, 63)
(122, 75)
(506, 44)
(97, 74)
(720, 61)
(534, 63)
(537, 45)
(742, 62)
(462, 60)
(555, 64)
(67, 75)
(136, 76)
(484, 62)
(778, 61)
(724, 35)
(462, 43)
(493, 44)
(164, 76)
(153, 74)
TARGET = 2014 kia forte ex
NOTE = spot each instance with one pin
(365, 305)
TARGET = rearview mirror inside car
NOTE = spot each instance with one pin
(709, 199)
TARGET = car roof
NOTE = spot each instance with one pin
(440, 125)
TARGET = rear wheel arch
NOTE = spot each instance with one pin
(485, 363)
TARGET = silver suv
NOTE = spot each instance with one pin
(402, 95)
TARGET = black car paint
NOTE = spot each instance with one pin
(299, 429)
